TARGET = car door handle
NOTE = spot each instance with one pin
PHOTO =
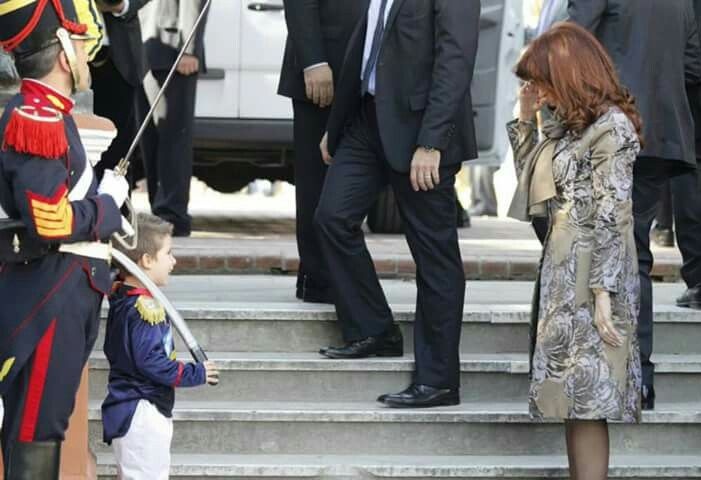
(213, 74)
(265, 7)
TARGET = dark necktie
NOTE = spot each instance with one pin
(375, 49)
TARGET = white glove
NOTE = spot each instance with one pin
(116, 186)
(127, 229)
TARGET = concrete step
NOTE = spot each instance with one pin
(308, 377)
(347, 467)
(299, 327)
(370, 429)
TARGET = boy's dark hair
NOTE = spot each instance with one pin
(152, 230)
(38, 64)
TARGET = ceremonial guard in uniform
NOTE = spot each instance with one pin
(54, 266)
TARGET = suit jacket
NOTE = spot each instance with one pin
(655, 46)
(317, 31)
(127, 49)
(166, 25)
(423, 77)
(694, 92)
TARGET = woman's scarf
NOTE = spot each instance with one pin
(536, 184)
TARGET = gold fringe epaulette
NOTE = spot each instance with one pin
(36, 131)
(150, 310)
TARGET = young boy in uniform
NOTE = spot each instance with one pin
(55, 220)
(136, 415)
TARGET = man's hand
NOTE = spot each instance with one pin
(602, 319)
(318, 82)
(188, 65)
(324, 147)
(116, 186)
(424, 169)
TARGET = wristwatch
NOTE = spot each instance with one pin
(428, 148)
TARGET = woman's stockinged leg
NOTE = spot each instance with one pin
(570, 449)
(587, 449)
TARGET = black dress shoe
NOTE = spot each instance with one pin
(691, 298)
(648, 397)
(389, 344)
(663, 237)
(421, 396)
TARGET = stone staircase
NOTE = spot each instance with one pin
(283, 412)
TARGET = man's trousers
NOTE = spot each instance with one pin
(309, 172)
(358, 173)
(167, 147)
(40, 401)
(649, 177)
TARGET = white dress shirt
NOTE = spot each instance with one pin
(373, 14)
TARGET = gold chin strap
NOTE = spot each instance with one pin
(64, 39)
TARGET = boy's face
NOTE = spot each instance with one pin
(158, 268)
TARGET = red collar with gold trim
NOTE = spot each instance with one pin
(136, 292)
(38, 94)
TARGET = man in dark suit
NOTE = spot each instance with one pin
(167, 146)
(402, 115)
(655, 46)
(318, 33)
(117, 71)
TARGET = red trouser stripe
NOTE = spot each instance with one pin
(35, 391)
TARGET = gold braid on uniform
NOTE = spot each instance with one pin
(150, 310)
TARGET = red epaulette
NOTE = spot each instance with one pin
(37, 131)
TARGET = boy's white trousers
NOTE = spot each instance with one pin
(144, 452)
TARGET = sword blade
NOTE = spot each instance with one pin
(176, 319)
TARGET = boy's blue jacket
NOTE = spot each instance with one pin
(140, 349)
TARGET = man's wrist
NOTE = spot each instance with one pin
(124, 10)
(428, 148)
(316, 65)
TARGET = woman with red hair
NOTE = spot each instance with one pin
(585, 363)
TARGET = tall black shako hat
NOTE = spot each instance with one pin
(28, 26)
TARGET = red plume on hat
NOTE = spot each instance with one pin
(27, 26)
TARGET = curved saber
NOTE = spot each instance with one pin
(178, 322)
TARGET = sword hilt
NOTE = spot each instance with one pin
(127, 242)
(122, 167)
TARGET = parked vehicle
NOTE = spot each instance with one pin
(243, 129)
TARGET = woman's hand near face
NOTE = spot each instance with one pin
(528, 101)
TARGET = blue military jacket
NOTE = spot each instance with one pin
(140, 349)
(41, 162)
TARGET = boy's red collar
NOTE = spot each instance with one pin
(134, 292)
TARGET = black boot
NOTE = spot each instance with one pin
(34, 461)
